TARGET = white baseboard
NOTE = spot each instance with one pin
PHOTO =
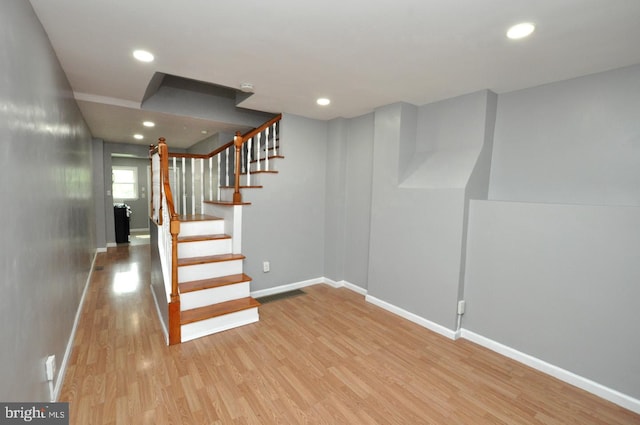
(67, 352)
(345, 284)
(588, 385)
(111, 244)
(592, 387)
(164, 325)
(285, 288)
(304, 283)
(101, 249)
(433, 326)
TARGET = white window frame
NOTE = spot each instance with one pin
(134, 182)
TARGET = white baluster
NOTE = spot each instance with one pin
(249, 146)
(275, 148)
(210, 178)
(226, 168)
(219, 171)
(259, 152)
(184, 186)
(266, 150)
(201, 184)
(266, 136)
(175, 182)
(193, 186)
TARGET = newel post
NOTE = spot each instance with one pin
(237, 141)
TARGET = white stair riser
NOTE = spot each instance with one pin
(211, 296)
(255, 180)
(219, 324)
(202, 248)
(205, 227)
(209, 270)
(263, 164)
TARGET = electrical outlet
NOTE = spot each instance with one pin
(266, 266)
(461, 307)
(50, 367)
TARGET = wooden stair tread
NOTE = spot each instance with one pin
(216, 310)
(190, 261)
(241, 187)
(261, 172)
(197, 217)
(216, 282)
(200, 238)
(227, 203)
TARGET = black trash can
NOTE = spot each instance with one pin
(121, 214)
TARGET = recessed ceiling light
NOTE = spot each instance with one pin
(149, 124)
(143, 55)
(138, 136)
(520, 30)
(204, 131)
(323, 101)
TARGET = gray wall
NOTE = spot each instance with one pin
(285, 222)
(574, 141)
(49, 234)
(553, 276)
(560, 283)
(139, 207)
(348, 205)
(414, 252)
(424, 158)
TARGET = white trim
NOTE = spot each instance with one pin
(345, 284)
(67, 353)
(101, 249)
(588, 385)
(304, 283)
(164, 326)
(111, 244)
(285, 288)
(412, 317)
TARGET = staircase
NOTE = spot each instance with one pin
(214, 292)
(208, 291)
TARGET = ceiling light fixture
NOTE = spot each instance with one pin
(143, 55)
(138, 136)
(204, 132)
(519, 31)
(323, 101)
(149, 124)
(246, 87)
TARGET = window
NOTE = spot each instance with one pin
(125, 182)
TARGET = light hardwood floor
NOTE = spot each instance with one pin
(326, 357)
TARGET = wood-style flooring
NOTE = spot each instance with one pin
(326, 357)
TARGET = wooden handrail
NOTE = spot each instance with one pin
(174, 229)
(246, 136)
(240, 140)
(174, 221)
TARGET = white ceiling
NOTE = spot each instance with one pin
(361, 54)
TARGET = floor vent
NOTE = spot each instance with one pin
(280, 296)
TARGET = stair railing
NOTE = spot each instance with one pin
(196, 178)
(163, 213)
(169, 175)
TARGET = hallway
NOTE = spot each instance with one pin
(323, 357)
